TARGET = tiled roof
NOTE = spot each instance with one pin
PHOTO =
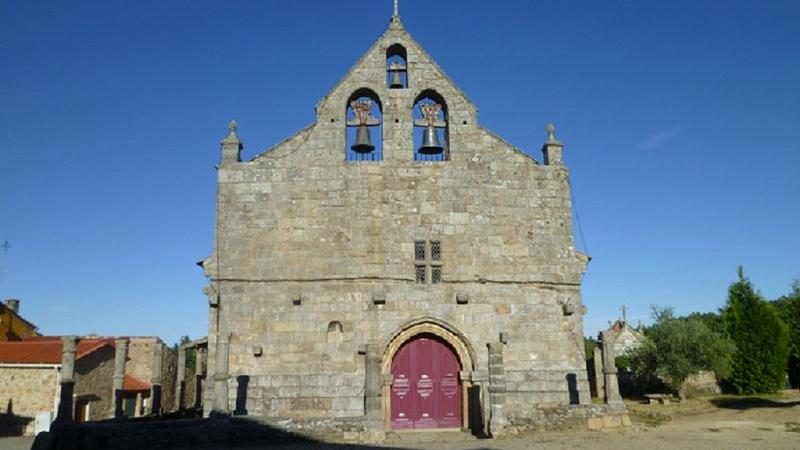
(41, 350)
(134, 384)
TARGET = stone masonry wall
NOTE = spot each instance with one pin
(28, 391)
(94, 381)
(300, 222)
(140, 357)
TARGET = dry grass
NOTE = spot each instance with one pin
(656, 415)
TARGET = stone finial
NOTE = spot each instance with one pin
(396, 9)
(552, 148)
(551, 134)
(232, 127)
(231, 145)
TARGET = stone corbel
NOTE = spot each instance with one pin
(213, 296)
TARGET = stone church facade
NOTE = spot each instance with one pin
(416, 283)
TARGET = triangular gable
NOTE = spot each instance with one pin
(396, 33)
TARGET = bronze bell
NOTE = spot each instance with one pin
(430, 142)
(397, 81)
(363, 142)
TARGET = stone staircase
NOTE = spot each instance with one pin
(412, 438)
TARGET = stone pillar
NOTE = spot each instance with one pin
(180, 379)
(552, 148)
(138, 410)
(372, 383)
(497, 389)
(199, 374)
(231, 146)
(69, 344)
(597, 358)
(120, 358)
(211, 351)
(155, 393)
(221, 376)
(610, 370)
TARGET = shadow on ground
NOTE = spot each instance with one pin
(742, 403)
(13, 425)
(221, 432)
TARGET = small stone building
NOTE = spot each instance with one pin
(395, 261)
(625, 337)
(30, 377)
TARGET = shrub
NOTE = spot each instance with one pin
(675, 348)
(788, 308)
(761, 338)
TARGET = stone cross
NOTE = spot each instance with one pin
(396, 8)
(611, 383)
(624, 313)
(6, 246)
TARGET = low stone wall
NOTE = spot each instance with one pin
(703, 382)
(25, 392)
(566, 418)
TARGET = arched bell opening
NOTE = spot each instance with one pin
(396, 67)
(426, 368)
(431, 135)
(364, 126)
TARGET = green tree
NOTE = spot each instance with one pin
(589, 345)
(675, 348)
(761, 338)
(190, 351)
(788, 308)
(712, 320)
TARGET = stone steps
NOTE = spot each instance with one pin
(429, 436)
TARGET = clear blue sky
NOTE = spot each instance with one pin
(681, 121)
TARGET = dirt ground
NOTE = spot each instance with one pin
(713, 423)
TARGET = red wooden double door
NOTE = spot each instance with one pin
(426, 391)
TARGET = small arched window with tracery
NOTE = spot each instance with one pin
(363, 115)
(396, 67)
(431, 135)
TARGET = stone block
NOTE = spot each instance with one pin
(594, 423)
(611, 421)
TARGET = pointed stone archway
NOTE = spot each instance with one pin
(447, 335)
